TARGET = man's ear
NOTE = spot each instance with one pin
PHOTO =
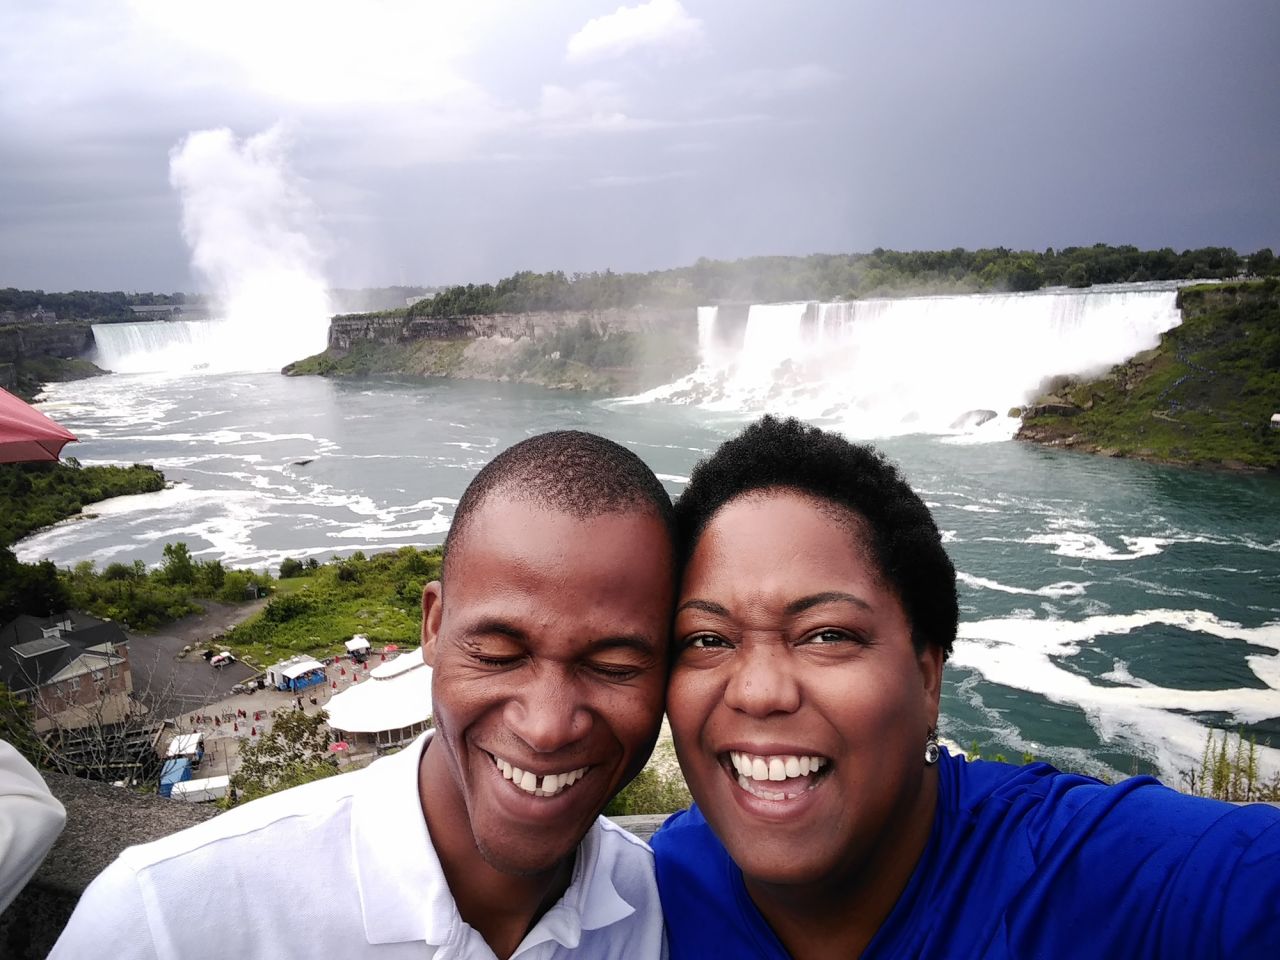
(432, 611)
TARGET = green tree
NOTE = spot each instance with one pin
(178, 566)
(294, 751)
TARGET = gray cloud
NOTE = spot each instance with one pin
(460, 142)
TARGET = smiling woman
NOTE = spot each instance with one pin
(816, 611)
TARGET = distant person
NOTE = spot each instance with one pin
(548, 636)
(30, 820)
(816, 610)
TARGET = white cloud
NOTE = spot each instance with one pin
(658, 23)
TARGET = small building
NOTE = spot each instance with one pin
(73, 669)
(296, 673)
(173, 772)
(158, 311)
(202, 790)
(392, 707)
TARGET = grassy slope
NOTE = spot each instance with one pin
(379, 596)
(1204, 396)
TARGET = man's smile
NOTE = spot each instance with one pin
(539, 785)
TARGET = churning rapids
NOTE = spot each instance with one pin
(1112, 611)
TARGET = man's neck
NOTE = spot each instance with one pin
(501, 907)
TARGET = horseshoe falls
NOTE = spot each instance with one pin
(946, 364)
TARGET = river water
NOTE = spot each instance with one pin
(1112, 611)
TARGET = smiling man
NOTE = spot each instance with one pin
(548, 636)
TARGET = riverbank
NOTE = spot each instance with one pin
(1203, 397)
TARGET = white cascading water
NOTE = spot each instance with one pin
(917, 365)
(256, 245)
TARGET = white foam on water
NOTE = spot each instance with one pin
(1149, 719)
(1086, 546)
(1065, 588)
(672, 477)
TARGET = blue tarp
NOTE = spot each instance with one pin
(174, 771)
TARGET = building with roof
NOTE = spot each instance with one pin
(73, 669)
(389, 708)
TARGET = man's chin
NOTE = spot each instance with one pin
(532, 862)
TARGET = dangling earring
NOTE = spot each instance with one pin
(931, 749)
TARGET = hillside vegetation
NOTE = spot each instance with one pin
(1205, 395)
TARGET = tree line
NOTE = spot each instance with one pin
(843, 276)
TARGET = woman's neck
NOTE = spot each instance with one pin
(837, 916)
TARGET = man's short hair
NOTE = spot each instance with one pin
(898, 530)
(572, 471)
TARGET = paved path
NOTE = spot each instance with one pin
(183, 685)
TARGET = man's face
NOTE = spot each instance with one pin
(549, 649)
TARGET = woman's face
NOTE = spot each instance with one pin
(799, 707)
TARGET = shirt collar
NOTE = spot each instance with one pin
(403, 893)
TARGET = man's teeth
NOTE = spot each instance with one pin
(545, 786)
(753, 771)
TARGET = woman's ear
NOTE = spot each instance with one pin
(432, 611)
(930, 663)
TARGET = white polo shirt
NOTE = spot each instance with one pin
(344, 868)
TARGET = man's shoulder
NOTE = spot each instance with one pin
(277, 819)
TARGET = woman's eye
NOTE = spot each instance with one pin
(830, 636)
(705, 641)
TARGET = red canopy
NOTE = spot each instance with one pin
(27, 434)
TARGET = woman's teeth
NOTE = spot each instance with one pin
(790, 772)
(545, 786)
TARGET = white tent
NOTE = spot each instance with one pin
(358, 642)
(392, 706)
(185, 745)
(295, 670)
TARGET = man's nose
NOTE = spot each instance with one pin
(548, 712)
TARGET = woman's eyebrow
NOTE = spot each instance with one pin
(706, 606)
(830, 596)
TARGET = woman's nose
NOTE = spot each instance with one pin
(762, 681)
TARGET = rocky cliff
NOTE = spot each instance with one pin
(601, 350)
(1205, 395)
(35, 353)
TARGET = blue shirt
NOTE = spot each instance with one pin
(1026, 862)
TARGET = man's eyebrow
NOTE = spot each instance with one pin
(493, 626)
(830, 596)
(631, 641)
(706, 606)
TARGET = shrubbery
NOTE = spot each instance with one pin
(35, 495)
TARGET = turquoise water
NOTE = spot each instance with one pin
(1111, 611)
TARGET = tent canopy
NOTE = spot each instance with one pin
(27, 434)
(295, 670)
(358, 642)
(384, 703)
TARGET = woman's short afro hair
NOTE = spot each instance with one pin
(901, 536)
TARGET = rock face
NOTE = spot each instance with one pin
(25, 341)
(346, 331)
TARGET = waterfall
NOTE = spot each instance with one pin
(884, 367)
(170, 346)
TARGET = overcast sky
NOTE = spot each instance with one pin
(438, 142)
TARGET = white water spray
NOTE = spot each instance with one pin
(920, 365)
(256, 244)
